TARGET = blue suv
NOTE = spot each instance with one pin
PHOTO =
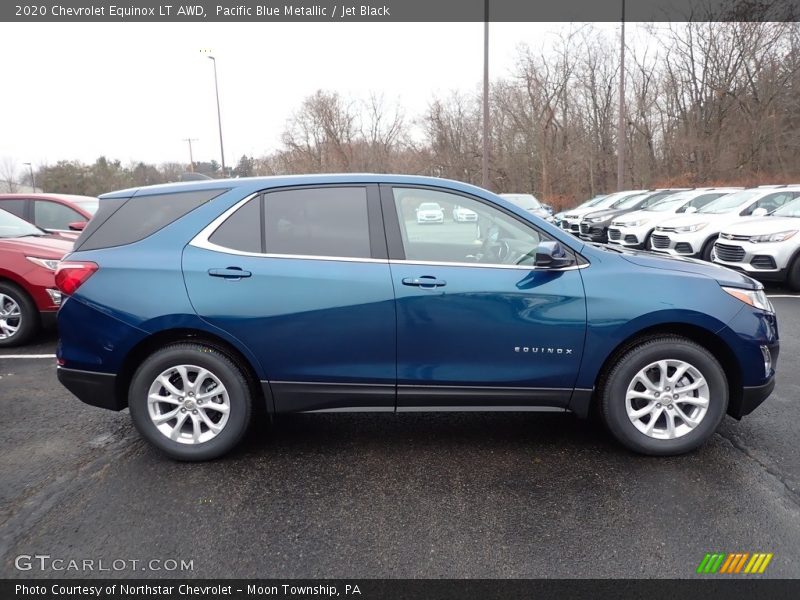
(193, 303)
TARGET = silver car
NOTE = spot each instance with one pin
(766, 248)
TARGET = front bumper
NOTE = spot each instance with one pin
(594, 232)
(97, 389)
(630, 237)
(572, 226)
(752, 398)
(675, 244)
(762, 261)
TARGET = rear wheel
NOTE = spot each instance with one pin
(191, 401)
(19, 319)
(665, 396)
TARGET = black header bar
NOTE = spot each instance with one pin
(396, 10)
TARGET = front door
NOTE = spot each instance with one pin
(477, 324)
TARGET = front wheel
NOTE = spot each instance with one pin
(706, 253)
(793, 277)
(665, 396)
(190, 401)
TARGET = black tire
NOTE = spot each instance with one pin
(622, 373)
(793, 276)
(223, 368)
(705, 253)
(28, 321)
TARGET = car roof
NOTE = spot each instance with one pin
(257, 183)
(46, 196)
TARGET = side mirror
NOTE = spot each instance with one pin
(77, 225)
(551, 255)
(760, 212)
(691, 209)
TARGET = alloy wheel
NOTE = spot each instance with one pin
(667, 399)
(188, 404)
(10, 317)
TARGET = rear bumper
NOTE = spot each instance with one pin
(97, 389)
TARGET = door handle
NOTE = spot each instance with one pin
(230, 273)
(426, 281)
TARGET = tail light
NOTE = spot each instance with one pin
(71, 275)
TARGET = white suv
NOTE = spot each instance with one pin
(571, 219)
(694, 234)
(766, 248)
(634, 229)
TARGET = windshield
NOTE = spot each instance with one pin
(429, 206)
(89, 206)
(594, 201)
(630, 202)
(526, 201)
(790, 209)
(11, 226)
(730, 202)
(672, 203)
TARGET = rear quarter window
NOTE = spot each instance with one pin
(121, 221)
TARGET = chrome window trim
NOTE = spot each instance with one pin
(201, 240)
(482, 265)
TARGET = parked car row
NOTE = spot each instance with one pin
(752, 230)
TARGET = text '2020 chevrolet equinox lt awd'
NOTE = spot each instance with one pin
(190, 303)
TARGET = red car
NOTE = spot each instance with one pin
(28, 294)
(56, 213)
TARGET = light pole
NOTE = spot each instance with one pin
(191, 157)
(33, 178)
(485, 157)
(621, 121)
(219, 116)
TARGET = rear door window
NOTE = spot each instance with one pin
(53, 215)
(325, 222)
(242, 230)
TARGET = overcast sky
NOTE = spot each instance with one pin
(133, 91)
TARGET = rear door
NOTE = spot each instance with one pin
(477, 324)
(301, 277)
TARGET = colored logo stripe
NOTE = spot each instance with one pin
(734, 563)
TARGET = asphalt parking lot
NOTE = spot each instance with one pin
(372, 496)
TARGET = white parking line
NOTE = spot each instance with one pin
(2, 356)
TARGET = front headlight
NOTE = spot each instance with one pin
(755, 298)
(690, 228)
(632, 223)
(595, 219)
(773, 237)
(48, 263)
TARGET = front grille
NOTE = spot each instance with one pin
(731, 236)
(763, 262)
(729, 253)
(659, 241)
(615, 234)
(574, 227)
(585, 228)
(631, 239)
(683, 248)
